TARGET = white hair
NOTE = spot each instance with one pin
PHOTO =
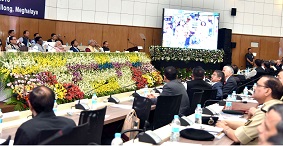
(230, 69)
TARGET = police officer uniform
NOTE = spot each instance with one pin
(248, 134)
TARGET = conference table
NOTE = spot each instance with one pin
(114, 113)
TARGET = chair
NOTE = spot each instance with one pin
(142, 106)
(95, 118)
(166, 108)
(195, 100)
(76, 137)
(208, 94)
(191, 93)
(7, 141)
(87, 50)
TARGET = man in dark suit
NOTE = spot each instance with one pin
(174, 87)
(230, 83)
(75, 45)
(105, 46)
(41, 102)
(218, 79)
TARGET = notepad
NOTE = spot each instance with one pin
(122, 106)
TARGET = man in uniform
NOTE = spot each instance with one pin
(249, 59)
(268, 91)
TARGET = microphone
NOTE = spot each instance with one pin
(50, 46)
(116, 100)
(131, 42)
(83, 107)
(66, 130)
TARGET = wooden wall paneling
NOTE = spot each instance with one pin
(116, 36)
(236, 51)
(46, 28)
(28, 24)
(157, 37)
(87, 31)
(67, 31)
(7, 23)
(245, 44)
(149, 39)
(134, 36)
(269, 49)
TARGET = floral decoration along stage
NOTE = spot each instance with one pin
(75, 76)
(186, 54)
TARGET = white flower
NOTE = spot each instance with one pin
(9, 84)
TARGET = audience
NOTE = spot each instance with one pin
(278, 65)
(75, 45)
(268, 91)
(10, 33)
(41, 102)
(105, 46)
(38, 46)
(34, 36)
(53, 38)
(230, 83)
(25, 39)
(13, 44)
(59, 47)
(272, 124)
(174, 87)
(218, 79)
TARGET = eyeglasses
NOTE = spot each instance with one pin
(257, 85)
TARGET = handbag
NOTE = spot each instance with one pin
(131, 122)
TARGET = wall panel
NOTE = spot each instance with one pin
(87, 31)
(157, 37)
(7, 23)
(45, 28)
(236, 51)
(67, 31)
(269, 48)
(116, 36)
(28, 24)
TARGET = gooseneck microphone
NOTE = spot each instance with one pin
(115, 99)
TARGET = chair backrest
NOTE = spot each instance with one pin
(7, 141)
(191, 93)
(76, 137)
(95, 118)
(208, 94)
(87, 50)
(166, 108)
(197, 96)
(142, 106)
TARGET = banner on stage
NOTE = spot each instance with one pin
(23, 8)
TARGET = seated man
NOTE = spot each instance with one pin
(105, 46)
(75, 45)
(53, 38)
(218, 79)
(93, 46)
(13, 44)
(230, 84)
(268, 127)
(174, 87)
(238, 78)
(41, 102)
(59, 47)
(268, 91)
(257, 71)
(38, 46)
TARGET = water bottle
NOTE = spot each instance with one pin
(145, 91)
(67, 44)
(234, 96)
(246, 91)
(93, 104)
(55, 106)
(228, 105)
(117, 141)
(198, 114)
(175, 134)
(1, 120)
(94, 96)
(176, 122)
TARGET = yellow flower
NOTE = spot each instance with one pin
(60, 91)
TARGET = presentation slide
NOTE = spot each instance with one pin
(190, 29)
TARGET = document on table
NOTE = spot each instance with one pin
(231, 117)
(122, 106)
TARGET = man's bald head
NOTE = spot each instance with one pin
(42, 99)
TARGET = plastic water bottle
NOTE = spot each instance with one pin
(117, 141)
(67, 44)
(145, 90)
(228, 105)
(198, 114)
(234, 96)
(1, 120)
(93, 104)
(246, 91)
(55, 106)
(175, 134)
(229, 98)
(94, 96)
(176, 122)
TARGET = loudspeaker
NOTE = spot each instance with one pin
(233, 11)
(224, 39)
(233, 45)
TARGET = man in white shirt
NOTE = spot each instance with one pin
(10, 33)
(38, 46)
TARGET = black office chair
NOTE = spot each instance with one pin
(7, 141)
(195, 100)
(208, 94)
(95, 118)
(142, 106)
(166, 108)
(76, 137)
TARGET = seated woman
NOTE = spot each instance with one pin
(218, 79)
(58, 47)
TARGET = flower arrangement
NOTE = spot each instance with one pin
(186, 54)
(74, 76)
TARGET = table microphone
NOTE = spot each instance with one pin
(115, 99)
(66, 130)
(83, 106)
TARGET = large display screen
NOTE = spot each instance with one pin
(190, 29)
